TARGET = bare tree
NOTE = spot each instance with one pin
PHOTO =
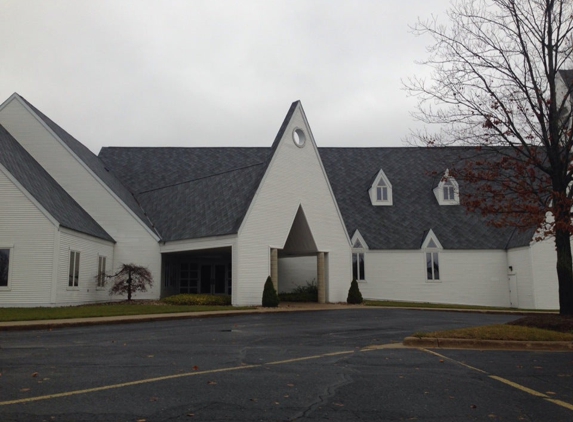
(130, 279)
(500, 82)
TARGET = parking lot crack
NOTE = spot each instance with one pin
(323, 398)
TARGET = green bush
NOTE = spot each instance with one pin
(198, 299)
(308, 293)
(270, 297)
(354, 295)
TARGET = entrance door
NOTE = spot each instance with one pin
(188, 276)
(220, 279)
(206, 279)
(513, 301)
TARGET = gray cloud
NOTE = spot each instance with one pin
(214, 73)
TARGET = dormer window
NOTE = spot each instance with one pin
(381, 190)
(447, 192)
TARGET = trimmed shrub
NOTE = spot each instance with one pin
(198, 299)
(308, 293)
(354, 295)
(270, 297)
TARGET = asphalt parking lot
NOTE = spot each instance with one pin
(342, 365)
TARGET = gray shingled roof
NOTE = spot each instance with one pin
(32, 176)
(186, 192)
(415, 210)
(191, 192)
(95, 165)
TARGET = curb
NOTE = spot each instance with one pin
(455, 343)
(112, 320)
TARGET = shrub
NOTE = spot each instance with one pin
(354, 295)
(129, 280)
(308, 293)
(198, 299)
(270, 297)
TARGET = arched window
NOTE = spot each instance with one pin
(359, 248)
(432, 248)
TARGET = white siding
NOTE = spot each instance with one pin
(134, 242)
(295, 177)
(476, 277)
(90, 249)
(31, 235)
(519, 260)
(544, 270)
(296, 271)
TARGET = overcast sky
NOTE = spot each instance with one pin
(215, 73)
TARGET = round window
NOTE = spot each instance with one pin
(298, 137)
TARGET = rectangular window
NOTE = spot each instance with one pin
(358, 266)
(74, 272)
(432, 266)
(4, 267)
(382, 193)
(449, 193)
(101, 271)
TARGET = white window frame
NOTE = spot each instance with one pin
(449, 184)
(380, 184)
(101, 272)
(359, 256)
(74, 269)
(431, 255)
(10, 249)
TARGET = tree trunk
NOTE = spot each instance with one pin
(129, 286)
(564, 271)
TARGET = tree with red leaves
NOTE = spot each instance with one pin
(130, 279)
(502, 82)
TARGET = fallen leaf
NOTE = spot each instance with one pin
(441, 361)
(211, 383)
(190, 415)
(195, 368)
(473, 406)
(34, 374)
(24, 390)
(290, 385)
(153, 399)
(141, 420)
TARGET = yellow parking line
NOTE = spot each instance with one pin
(124, 384)
(515, 385)
(165, 378)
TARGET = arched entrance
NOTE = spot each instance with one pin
(303, 257)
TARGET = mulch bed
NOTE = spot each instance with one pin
(128, 302)
(561, 323)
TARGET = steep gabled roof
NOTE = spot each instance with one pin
(95, 165)
(49, 194)
(191, 192)
(415, 209)
(194, 192)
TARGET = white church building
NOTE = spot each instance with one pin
(221, 220)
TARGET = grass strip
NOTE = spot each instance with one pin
(92, 311)
(500, 332)
(394, 304)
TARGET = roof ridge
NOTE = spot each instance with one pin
(200, 178)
